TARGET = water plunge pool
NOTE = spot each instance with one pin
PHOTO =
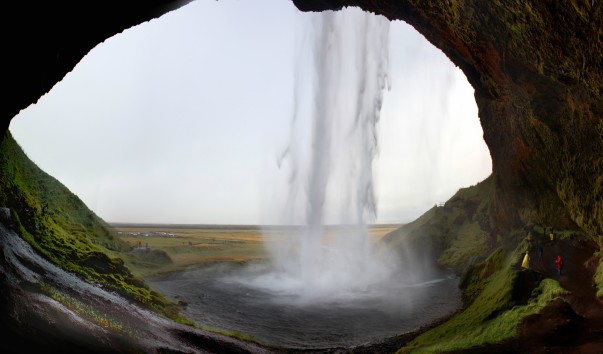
(226, 297)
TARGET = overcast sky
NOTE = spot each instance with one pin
(180, 120)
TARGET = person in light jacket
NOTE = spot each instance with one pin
(526, 261)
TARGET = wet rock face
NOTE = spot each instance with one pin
(537, 70)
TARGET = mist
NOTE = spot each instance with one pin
(341, 75)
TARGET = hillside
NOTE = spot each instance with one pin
(65, 287)
(507, 308)
(62, 229)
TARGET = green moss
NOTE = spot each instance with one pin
(457, 233)
(474, 278)
(472, 241)
(495, 289)
(599, 275)
(61, 228)
(234, 334)
(88, 312)
(497, 292)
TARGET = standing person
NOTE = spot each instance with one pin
(552, 234)
(559, 263)
(526, 261)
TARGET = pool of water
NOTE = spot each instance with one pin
(228, 297)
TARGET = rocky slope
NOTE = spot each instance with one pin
(46, 310)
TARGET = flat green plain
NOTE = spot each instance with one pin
(189, 246)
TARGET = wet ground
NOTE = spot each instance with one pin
(219, 297)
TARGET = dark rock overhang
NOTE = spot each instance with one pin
(537, 70)
(44, 40)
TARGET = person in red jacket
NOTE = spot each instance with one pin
(559, 263)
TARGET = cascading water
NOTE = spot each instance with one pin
(326, 286)
(338, 95)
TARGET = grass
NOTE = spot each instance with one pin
(599, 275)
(233, 334)
(495, 309)
(456, 233)
(87, 312)
(61, 228)
(599, 271)
(568, 234)
(471, 329)
(497, 293)
(193, 246)
(471, 242)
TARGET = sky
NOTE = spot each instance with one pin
(181, 120)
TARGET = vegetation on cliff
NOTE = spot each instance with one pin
(498, 293)
(500, 296)
(599, 273)
(457, 233)
(61, 228)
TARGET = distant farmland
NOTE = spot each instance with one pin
(191, 245)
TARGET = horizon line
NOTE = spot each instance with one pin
(150, 224)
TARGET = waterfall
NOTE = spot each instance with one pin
(342, 71)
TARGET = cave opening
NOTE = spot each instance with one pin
(150, 101)
(162, 125)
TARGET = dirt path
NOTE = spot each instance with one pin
(576, 324)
